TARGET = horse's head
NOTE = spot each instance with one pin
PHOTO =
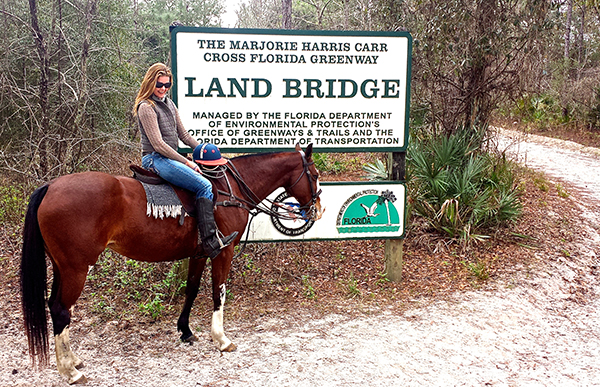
(305, 187)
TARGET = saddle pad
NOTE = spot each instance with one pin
(162, 201)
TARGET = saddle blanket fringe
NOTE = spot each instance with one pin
(162, 201)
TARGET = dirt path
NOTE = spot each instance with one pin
(541, 328)
(565, 160)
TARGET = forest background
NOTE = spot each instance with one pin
(70, 69)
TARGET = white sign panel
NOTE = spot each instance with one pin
(266, 90)
(353, 211)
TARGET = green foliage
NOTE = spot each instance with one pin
(352, 286)
(376, 170)
(541, 183)
(470, 55)
(153, 308)
(541, 110)
(249, 267)
(478, 269)
(151, 287)
(562, 191)
(593, 114)
(13, 204)
(260, 14)
(309, 291)
(156, 16)
(67, 96)
(326, 162)
(383, 279)
(457, 188)
(313, 15)
(102, 305)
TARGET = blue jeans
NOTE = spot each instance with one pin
(178, 174)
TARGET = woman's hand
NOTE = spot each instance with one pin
(193, 165)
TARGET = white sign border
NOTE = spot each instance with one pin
(225, 148)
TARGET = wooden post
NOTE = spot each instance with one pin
(394, 252)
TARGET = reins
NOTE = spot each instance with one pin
(253, 204)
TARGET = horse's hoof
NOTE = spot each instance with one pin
(79, 378)
(189, 339)
(230, 348)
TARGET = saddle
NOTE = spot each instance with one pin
(187, 198)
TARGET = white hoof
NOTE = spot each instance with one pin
(77, 378)
(230, 348)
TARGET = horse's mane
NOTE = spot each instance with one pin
(243, 157)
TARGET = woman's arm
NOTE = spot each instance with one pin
(183, 134)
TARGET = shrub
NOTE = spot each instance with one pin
(459, 189)
(326, 162)
(593, 114)
(539, 110)
(375, 170)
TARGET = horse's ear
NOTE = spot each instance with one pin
(308, 151)
(298, 147)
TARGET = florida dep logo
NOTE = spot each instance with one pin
(369, 211)
(293, 221)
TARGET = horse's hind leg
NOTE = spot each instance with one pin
(62, 299)
(220, 269)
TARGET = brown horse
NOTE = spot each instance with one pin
(74, 218)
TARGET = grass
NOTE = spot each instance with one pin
(309, 290)
(541, 183)
(477, 269)
(352, 286)
(562, 191)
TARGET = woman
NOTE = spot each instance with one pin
(161, 128)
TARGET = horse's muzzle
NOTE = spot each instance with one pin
(317, 210)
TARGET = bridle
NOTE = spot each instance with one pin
(252, 203)
(309, 208)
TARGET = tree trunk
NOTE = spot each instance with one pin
(568, 29)
(44, 127)
(566, 58)
(580, 40)
(286, 12)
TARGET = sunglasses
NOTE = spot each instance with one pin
(160, 84)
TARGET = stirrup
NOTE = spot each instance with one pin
(223, 240)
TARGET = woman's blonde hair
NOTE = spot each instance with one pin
(149, 83)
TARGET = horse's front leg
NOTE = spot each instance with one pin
(195, 270)
(220, 270)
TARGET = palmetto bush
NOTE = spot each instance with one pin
(459, 189)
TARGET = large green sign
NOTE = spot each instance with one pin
(265, 90)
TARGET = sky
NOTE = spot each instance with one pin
(229, 18)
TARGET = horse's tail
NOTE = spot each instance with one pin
(33, 281)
